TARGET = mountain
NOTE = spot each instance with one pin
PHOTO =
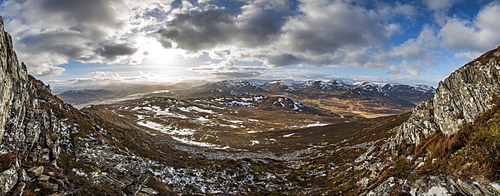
(332, 85)
(250, 144)
(85, 96)
(344, 98)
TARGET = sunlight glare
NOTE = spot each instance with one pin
(153, 53)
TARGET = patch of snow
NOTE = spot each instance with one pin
(297, 105)
(225, 147)
(79, 172)
(251, 131)
(186, 141)
(237, 103)
(197, 109)
(235, 121)
(232, 126)
(288, 135)
(317, 124)
(166, 129)
(161, 91)
(423, 88)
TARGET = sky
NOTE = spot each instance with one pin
(84, 43)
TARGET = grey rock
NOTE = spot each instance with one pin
(19, 189)
(149, 191)
(8, 180)
(43, 177)
(459, 99)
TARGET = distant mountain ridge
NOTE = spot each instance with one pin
(289, 85)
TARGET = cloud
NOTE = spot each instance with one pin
(198, 30)
(439, 5)
(228, 69)
(115, 50)
(249, 26)
(403, 79)
(297, 74)
(326, 27)
(277, 33)
(98, 79)
(90, 31)
(269, 33)
(480, 34)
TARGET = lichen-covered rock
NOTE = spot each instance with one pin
(8, 180)
(431, 185)
(459, 99)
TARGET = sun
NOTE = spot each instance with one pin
(151, 52)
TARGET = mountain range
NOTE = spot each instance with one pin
(276, 138)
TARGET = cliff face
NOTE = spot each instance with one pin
(458, 100)
(451, 138)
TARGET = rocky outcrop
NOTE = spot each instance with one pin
(459, 99)
(433, 185)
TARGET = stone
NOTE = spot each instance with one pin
(43, 177)
(19, 189)
(35, 171)
(149, 191)
(8, 180)
(53, 186)
(23, 176)
(459, 99)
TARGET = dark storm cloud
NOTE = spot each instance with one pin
(199, 30)
(83, 12)
(113, 51)
(249, 26)
(283, 60)
(67, 43)
(278, 34)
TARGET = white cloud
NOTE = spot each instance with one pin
(275, 33)
(439, 4)
(228, 69)
(469, 55)
(480, 34)
(318, 33)
(51, 32)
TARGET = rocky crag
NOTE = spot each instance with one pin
(459, 99)
(449, 145)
